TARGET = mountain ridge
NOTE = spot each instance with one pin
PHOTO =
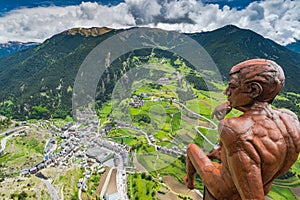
(236, 45)
(44, 75)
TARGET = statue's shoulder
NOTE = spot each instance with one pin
(233, 129)
(292, 125)
(237, 125)
(288, 113)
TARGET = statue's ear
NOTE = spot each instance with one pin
(255, 90)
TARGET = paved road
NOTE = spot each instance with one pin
(205, 138)
(197, 127)
(122, 181)
(200, 116)
(80, 189)
(13, 130)
(4, 140)
(79, 194)
(52, 191)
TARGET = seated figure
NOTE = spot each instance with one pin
(256, 147)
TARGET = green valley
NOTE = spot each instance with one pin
(130, 142)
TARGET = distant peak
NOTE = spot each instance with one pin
(231, 26)
(94, 31)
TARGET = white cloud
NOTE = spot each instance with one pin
(37, 24)
(144, 11)
(278, 20)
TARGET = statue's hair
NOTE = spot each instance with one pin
(265, 72)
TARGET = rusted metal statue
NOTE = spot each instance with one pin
(256, 147)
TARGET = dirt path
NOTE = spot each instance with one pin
(136, 163)
(168, 195)
(179, 188)
(112, 186)
(296, 191)
(102, 180)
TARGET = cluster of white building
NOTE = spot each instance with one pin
(136, 102)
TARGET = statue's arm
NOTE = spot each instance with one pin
(246, 175)
(221, 111)
(243, 164)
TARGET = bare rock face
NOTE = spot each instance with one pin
(94, 31)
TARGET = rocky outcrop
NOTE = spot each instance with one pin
(94, 31)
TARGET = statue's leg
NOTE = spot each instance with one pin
(210, 173)
(190, 174)
(207, 195)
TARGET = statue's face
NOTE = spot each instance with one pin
(238, 93)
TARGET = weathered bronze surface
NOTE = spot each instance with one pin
(256, 147)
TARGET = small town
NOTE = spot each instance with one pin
(96, 153)
(84, 143)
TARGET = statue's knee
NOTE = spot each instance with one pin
(189, 146)
(193, 148)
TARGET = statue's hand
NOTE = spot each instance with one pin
(216, 154)
(221, 111)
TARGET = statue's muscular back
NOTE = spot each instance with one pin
(267, 139)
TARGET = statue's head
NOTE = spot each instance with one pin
(257, 80)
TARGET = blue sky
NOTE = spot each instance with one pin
(34, 20)
(8, 5)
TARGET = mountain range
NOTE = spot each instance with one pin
(41, 78)
(231, 45)
(13, 47)
(295, 46)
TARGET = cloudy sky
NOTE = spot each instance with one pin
(37, 20)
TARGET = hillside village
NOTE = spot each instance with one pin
(109, 155)
(96, 153)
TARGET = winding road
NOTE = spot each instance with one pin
(214, 125)
(52, 191)
(13, 133)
